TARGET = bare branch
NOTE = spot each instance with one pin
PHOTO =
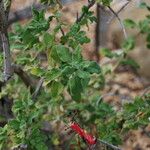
(145, 91)
(120, 10)
(120, 21)
(109, 145)
(38, 89)
(35, 85)
(27, 79)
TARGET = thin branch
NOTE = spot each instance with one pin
(146, 90)
(120, 10)
(109, 145)
(38, 89)
(34, 85)
(120, 21)
(61, 29)
(27, 79)
(124, 6)
(77, 15)
(90, 4)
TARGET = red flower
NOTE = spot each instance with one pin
(91, 140)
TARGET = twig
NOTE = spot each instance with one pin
(27, 79)
(61, 29)
(34, 85)
(121, 97)
(37, 90)
(123, 7)
(77, 16)
(109, 145)
(120, 21)
(145, 91)
(90, 4)
(102, 97)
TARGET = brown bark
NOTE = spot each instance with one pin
(97, 33)
(4, 41)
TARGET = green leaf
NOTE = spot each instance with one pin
(74, 29)
(85, 82)
(56, 88)
(129, 44)
(105, 2)
(130, 62)
(14, 124)
(52, 74)
(144, 5)
(144, 26)
(82, 38)
(37, 71)
(48, 39)
(85, 9)
(83, 74)
(91, 67)
(85, 78)
(75, 87)
(129, 23)
(68, 70)
(107, 52)
(54, 54)
(60, 52)
(148, 41)
(77, 54)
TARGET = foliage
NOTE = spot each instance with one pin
(70, 82)
(143, 25)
